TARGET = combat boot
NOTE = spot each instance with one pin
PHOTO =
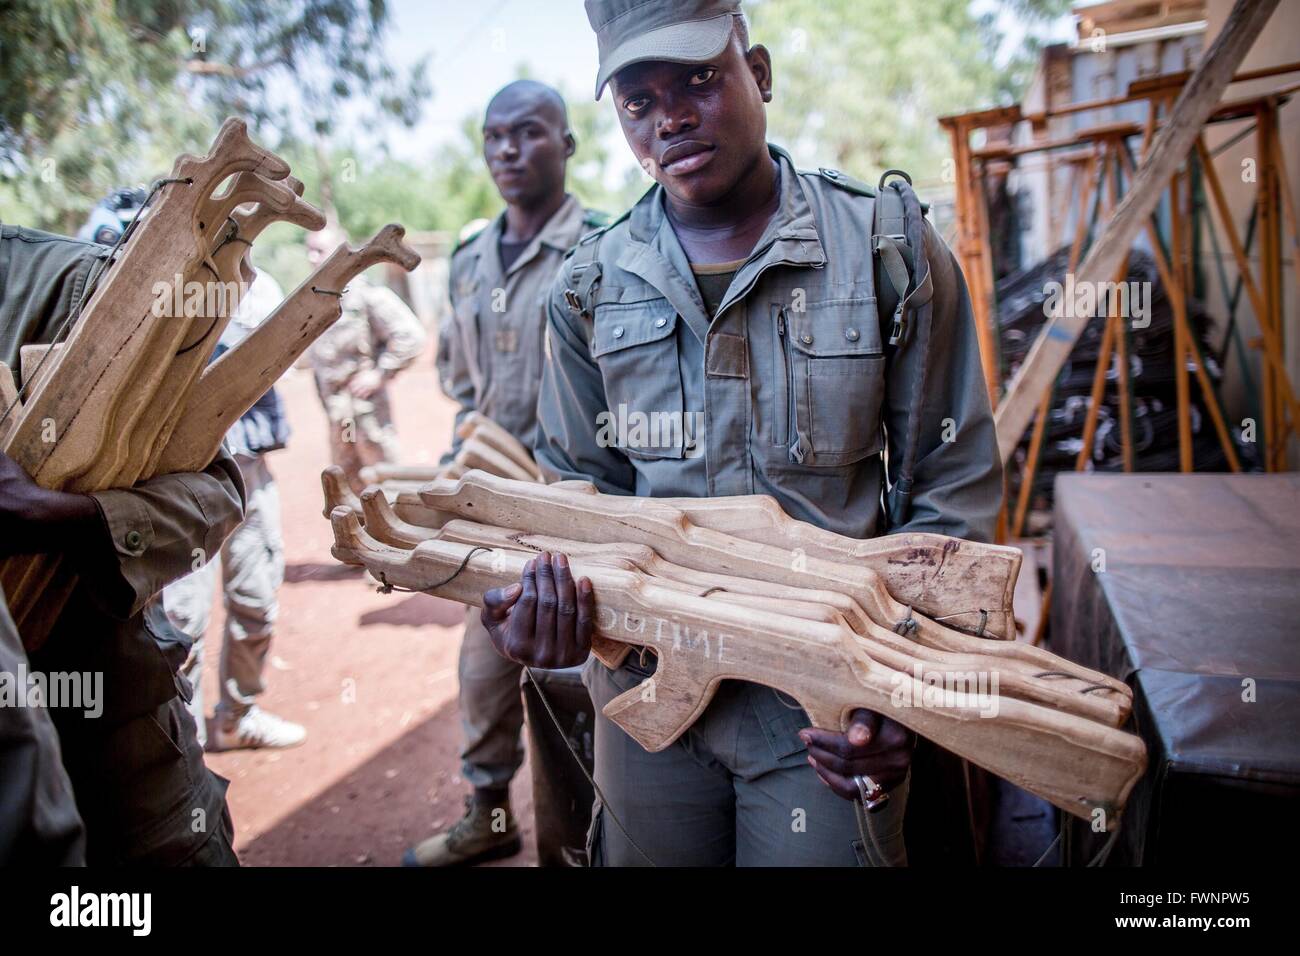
(486, 832)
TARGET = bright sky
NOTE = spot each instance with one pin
(476, 48)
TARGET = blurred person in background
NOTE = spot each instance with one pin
(252, 569)
(490, 357)
(375, 338)
(112, 215)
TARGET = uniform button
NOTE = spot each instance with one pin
(851, 334)
(618, 331)
(806, 339)
(134, 540)
(660, 323)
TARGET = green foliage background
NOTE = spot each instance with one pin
(95, 94)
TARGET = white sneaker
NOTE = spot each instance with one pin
(256, 728)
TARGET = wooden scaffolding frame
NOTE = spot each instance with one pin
(1101, 162)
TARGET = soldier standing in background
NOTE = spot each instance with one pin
(375, 338)
(490, 357)
(252, 569)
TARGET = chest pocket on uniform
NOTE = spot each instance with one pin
(838, 381)
(636, 348)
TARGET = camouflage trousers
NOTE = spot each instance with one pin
(251, 566)
(361, 432)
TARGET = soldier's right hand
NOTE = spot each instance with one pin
(547, 619)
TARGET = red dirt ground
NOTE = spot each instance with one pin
(371, 676)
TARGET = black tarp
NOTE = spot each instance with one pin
(1188, 588)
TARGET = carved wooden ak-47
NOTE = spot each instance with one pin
(923, 570)
(40, 576)
(915, 569)
(231, 384)
(1078, 764)
(228, 250)
(93, 391)
(177, 374)
(238, 230)
(478, 426)
(128, 395)
(1037, 676)
(485, 446)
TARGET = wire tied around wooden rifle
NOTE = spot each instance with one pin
(232, 234)
(386, 588)
(907, 626)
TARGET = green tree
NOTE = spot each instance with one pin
(858, 84)
(95, 94)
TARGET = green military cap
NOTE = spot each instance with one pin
(679, 31)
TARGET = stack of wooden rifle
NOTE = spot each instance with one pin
(916, 626)
(129, 394)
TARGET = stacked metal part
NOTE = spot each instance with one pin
(1023, 300)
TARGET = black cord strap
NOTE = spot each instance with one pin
(387, 588)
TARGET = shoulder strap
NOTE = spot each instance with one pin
(583, 274)
(891, 251)
(582, 270)
(904, 285)
(846, 182)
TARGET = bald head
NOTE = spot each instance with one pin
(527, 143)
(530, 96)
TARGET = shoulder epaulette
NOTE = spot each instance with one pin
(857, 186)
(601, 228)
(470, 238)
(846, 182)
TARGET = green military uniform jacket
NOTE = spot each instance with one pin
(151, 531)
(788, 390)
(375, 330)
(490, 348)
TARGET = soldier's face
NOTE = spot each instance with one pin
(697, 129)
(526, 145)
